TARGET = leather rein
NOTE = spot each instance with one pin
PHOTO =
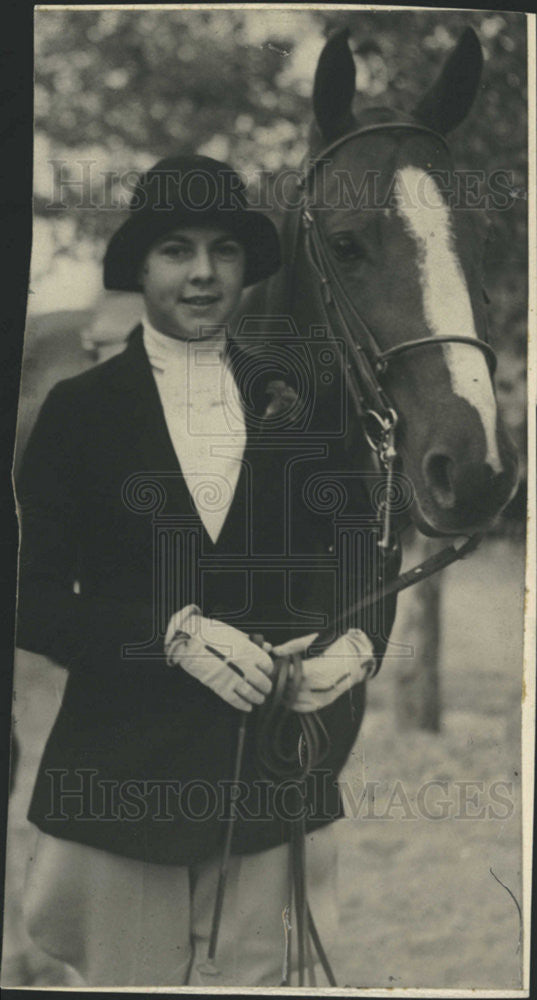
(364, 364)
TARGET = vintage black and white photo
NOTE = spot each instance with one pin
(272, 718)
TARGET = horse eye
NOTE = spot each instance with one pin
(346, 248)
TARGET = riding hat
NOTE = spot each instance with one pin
(189, 191)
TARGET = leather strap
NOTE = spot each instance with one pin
(435, 563)
(309, 165)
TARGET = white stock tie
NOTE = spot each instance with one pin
(204, 416)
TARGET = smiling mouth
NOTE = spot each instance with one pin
(200, 300)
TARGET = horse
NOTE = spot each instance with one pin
(377, 255)
(403, 279)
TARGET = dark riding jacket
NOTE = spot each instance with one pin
(141, 754)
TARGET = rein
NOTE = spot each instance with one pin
(364, 364)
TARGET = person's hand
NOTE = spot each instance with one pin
(347, 661)
(219, 656)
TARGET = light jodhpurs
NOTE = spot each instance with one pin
(122, 922)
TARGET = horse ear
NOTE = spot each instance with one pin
(333, 90)
(449, 100)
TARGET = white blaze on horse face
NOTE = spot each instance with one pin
(446, 303)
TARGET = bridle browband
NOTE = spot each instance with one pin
(366, 130)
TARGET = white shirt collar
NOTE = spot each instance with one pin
(165, 352)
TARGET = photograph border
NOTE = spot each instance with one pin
(529, 680)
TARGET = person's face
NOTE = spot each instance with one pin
(192, 278)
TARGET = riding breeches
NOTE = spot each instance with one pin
(121, 922)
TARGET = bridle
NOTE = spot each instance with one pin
(369, 360)
(364, 363)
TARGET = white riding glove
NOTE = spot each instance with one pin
(219, 656)
(347, 661)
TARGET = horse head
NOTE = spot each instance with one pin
(407, 260)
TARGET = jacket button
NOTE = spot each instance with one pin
(330, 548)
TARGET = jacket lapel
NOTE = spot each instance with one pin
(147, 425)
(146, 406)
(142, 408)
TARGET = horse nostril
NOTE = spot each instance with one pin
(438, 472)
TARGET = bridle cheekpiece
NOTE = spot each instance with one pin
(362, 360)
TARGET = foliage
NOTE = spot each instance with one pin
(120, 88)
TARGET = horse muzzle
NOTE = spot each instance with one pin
(456, 495)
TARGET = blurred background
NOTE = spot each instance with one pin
(114, 91)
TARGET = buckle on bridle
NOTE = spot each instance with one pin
(383, 444)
